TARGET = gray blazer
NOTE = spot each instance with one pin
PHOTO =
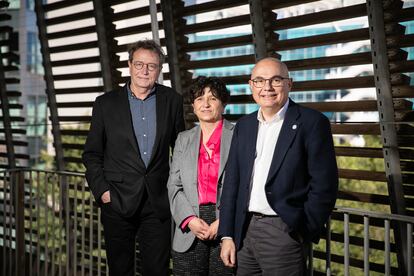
(182, 183)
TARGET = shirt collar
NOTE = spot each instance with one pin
(215, 136)
(280, 115)
(132, 95)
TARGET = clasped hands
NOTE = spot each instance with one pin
(202, 230)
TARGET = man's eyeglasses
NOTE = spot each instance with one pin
(275, 82)
(150, 66)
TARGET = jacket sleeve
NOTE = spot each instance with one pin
(230, 190)
(181, 208)
(93, 155)
(323, 173)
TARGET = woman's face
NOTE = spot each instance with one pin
(208, 108)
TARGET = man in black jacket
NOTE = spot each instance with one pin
(127, 160)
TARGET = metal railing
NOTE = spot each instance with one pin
(388, 220)
(50, 226)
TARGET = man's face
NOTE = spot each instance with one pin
(276, 84)
(146, 76)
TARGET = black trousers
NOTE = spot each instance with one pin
(154, 241)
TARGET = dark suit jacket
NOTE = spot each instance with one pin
(112, 157)
(302, 183)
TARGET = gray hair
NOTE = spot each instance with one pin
(147, 44)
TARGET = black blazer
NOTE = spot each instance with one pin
(112, 157)
(303, 178)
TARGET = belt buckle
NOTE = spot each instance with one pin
(258, 215)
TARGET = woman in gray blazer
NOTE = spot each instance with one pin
(194, 185)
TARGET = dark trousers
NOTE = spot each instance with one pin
(269, 249)
(154, 238)
(203, 257)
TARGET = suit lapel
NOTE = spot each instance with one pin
(288, 132)
(225, 144)
(193, 149)
(250, 140)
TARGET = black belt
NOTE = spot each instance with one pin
(260, 215)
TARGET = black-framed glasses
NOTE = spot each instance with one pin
(150, 66)
(275, 81)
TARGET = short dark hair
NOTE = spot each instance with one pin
(216, 85)
(147, 44)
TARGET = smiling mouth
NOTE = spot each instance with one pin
(269, 95)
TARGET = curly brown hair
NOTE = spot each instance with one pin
(216, 85)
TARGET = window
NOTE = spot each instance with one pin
(36, 116)
(30, 4)
(34, 57)
(14, 4)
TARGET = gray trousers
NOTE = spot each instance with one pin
(269, 250)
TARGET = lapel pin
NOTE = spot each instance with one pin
(294, 126)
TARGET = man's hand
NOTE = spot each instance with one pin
(212, 230)
(199, 227)
(106, 197)
(228, 252)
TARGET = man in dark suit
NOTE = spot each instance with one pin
(127, 163)
(281, 180)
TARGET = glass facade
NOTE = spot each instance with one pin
(14, 4)
(34, 56)
(31, 83)
(36, 119)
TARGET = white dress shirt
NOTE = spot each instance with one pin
(267, 136)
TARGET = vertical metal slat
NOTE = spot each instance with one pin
(366, 245)
(387, 251)
(46, 266)
(31, 223)
(346, 244)
(409, 249)
(328, 247)
(53, 226)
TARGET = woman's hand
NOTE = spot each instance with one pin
(212, 231)
(199, 228)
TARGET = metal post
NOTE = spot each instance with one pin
(19, 217)
(168, 14)
(366, 245)
(410, 249)
(387, 256)
(50, 87)
(105, 43)
(155, 29)
(387, 126)
(346, 244)
(258, 30)
(328, 247)
(46, 214)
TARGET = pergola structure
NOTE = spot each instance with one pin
(391, 68)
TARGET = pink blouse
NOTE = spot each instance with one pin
(208, 167)
(208, 170)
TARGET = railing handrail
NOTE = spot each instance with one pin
(27, 169)
(374, 214)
